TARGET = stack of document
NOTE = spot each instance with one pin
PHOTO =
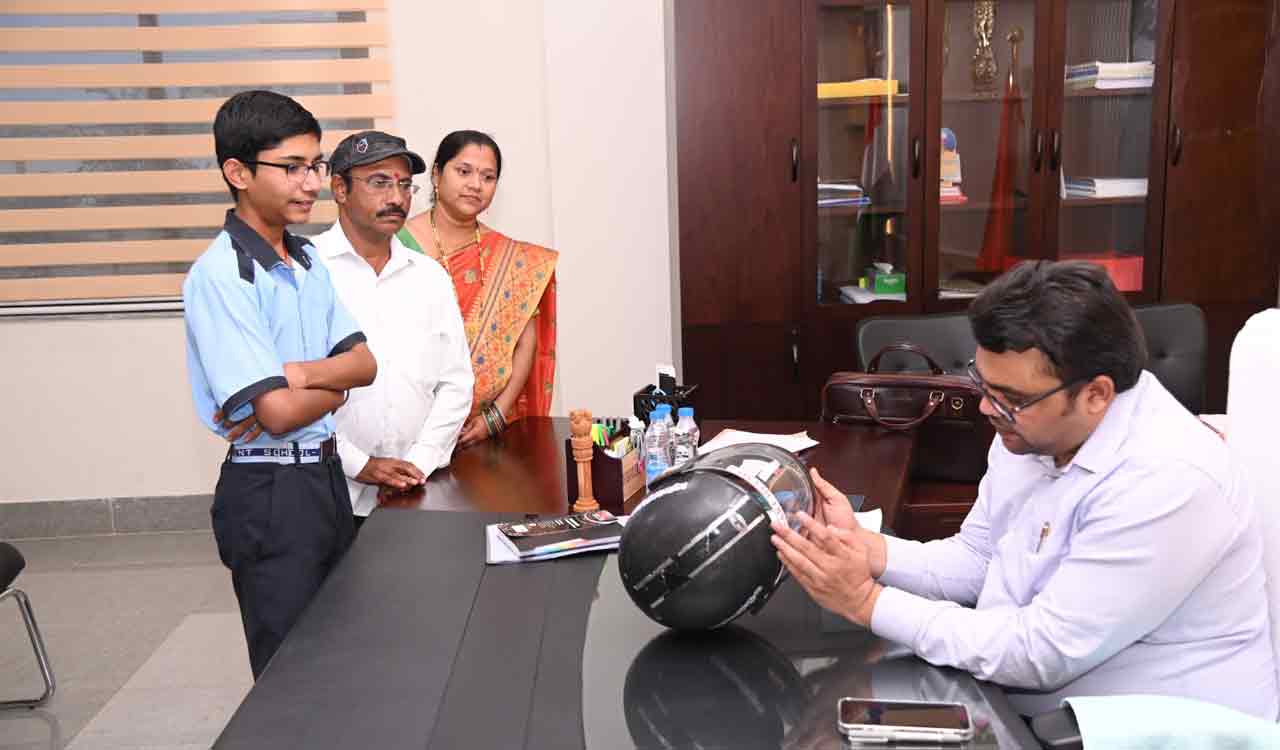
(1102, 75)
(1104, 187)
(795, 442)
(958, 289)
(842, 193)
(860, 296)
(950, 195)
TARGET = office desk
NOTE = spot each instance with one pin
(413, 642)
(524, 470)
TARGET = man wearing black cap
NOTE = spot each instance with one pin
(392, 435)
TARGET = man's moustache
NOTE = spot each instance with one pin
(392, 212)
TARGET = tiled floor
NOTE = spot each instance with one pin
(144, 637)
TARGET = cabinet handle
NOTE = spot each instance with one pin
(795, 160)
(915, 158)
(1037, 150)
(1175, 155)
(1055, 158)
(795, 355)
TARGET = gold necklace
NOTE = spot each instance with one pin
(443, 260)
(435, 234)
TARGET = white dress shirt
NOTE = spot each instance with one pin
(416, 406)
(1135, 568)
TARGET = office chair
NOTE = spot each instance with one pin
(1177, 343)
(1175, 333)
(1252, 416)
(11, 564)
(946, 337)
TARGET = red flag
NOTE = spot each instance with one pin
(997, 238)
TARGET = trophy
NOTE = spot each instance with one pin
(983, 66)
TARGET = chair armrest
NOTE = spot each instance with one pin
(1057, 730)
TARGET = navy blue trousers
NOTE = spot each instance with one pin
(280, 529)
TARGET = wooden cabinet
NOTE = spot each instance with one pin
(951, 166)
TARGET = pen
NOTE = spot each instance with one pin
(1044, 532)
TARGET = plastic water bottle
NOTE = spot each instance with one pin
(670, 422)
(685, 437)
(657, 442)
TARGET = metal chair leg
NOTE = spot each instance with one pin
(37, 644)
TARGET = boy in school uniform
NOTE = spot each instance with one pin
(271, 354)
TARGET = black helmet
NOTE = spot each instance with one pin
(728, 688)
(696, 553)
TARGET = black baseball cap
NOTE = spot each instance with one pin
(369, 146)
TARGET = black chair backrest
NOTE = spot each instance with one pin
(947, 338)
(1177, 345)
(1175, 333)
(11, 564)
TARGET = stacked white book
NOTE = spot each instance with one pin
(1104, 187)
(1104, 75)
(951, 194)
(842, 193)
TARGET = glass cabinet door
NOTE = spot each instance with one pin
(987, 151)
(1102, 151)
(863, 162)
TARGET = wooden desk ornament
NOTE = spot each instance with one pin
(580, 437)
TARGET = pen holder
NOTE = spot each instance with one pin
(613, 480)
(645, 400)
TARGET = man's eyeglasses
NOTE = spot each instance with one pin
(297, 171)
(1009, 412)
(380, 184)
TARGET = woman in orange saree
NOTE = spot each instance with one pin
(506, 288)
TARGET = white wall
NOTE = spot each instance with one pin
(606, 101)
(100, 408)
(574, 93)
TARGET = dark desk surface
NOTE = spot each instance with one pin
(524, 470)
(413, 642)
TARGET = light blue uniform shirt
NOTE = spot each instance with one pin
(1148, 580)
(247, 313)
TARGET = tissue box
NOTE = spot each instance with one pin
(886, 283)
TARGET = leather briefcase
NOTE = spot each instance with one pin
(953, 437)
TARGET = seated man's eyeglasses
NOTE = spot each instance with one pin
(1004, 411)
(297, 171)
(380, 184)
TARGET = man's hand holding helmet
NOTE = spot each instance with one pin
(832, 564)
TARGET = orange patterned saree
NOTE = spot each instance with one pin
(501, 284)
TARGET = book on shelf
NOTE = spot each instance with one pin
(959, 289)
(1104, 75)
(552, 536)
(951, 195)
(841, 193)
(860, 87)
(1104, 187)
(1105, 70)
(1108, 84)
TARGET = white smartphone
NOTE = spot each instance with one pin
(869, 720)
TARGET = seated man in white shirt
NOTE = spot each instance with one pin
(391, 436)
(1113, 547)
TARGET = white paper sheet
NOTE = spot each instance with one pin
(794, 443)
